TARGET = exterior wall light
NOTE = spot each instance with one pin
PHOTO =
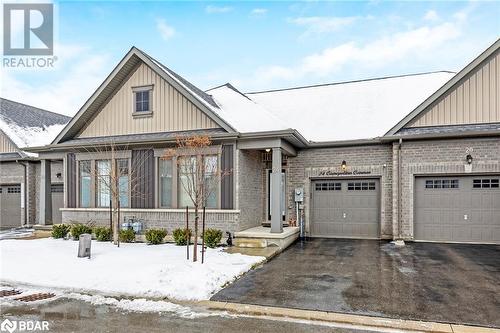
(468, 159)
(58, 175)
(344, 165)
(268, 150)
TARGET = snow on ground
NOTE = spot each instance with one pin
(16, 233)
(131, 270)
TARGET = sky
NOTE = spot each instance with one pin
(254, 45)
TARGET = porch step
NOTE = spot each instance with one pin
(250, 242)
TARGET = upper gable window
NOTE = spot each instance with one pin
(142, 100)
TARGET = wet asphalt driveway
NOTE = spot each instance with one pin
(454, 283)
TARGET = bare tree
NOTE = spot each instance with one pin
(199, 173)
(116, 180)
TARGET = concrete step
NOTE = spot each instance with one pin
(250, 242)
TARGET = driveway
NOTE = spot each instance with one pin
(422, 281)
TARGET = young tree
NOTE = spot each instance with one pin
(199, 174)
(116, 180)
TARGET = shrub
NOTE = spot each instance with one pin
(60, 230)
(78, 228)
(212, 237)
(155, 236)
(127, 235)
(102, 234)
(181, 236)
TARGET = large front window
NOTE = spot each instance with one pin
(123, 181)
(85, 183)
(187, 180)
(165, 183)
(103, 182)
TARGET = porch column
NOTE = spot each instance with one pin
(45, 195)
(276, 193)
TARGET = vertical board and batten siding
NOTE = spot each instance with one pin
(6, 145)
(227, 185)
(172, 111)
(474, 100)
(143, 179)
(71, 180)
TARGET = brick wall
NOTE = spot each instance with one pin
(307, 165)
(169, 219)
(439, 157)
(250, 188)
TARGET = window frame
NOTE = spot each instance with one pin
(142, 89)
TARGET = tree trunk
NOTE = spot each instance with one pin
(114, 199)
(195, 247)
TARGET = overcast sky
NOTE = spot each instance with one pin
(255, 45)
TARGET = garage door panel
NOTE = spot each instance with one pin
(468, 212)
(344, 212)
(10, 206)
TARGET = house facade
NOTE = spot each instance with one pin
(22, 126)
(293, 154)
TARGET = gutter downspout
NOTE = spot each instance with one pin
(400, 235)
(25, 175)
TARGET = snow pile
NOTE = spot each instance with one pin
(242, 113)
(351, 110)
(131, 270)
(143, 305)
(16, 233)
(30, 136)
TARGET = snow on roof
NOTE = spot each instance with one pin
(242, 113)
(350, 110)
(29, 126)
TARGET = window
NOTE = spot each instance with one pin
(486, 183)
(14, 189)
(328, 186)
(165, 183)
(142, 101)
(211, 190)
(103, 182)
(361, 186)
(123, 181)
(441, 183)
(85, 183)
(187, 171)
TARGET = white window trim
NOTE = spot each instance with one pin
(141, 114)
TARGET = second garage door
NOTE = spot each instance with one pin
(457, 209)
(345, 208)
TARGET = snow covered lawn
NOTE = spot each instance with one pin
(131, 270)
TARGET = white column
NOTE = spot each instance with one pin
(276, 193)
(45, 194)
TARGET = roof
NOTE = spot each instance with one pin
(445, 88)
(29, 126)
(243, 113)
(449, 129)
(350, 110)
(120, 73)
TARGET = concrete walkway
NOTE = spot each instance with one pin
(450, 283)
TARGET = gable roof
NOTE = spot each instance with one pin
(120, 73)
(27, 126)
(350, 110)
(445, 88)
(243, 113)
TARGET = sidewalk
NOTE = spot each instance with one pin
(365, 321)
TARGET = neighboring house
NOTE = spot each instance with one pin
(23, 126)
(434, 175)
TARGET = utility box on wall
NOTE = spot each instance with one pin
(299, 194)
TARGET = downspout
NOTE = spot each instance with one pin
(400, 173)
(25, 175)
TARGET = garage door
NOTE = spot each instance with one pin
(10, 206)
(457, 209)
(345, 208)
